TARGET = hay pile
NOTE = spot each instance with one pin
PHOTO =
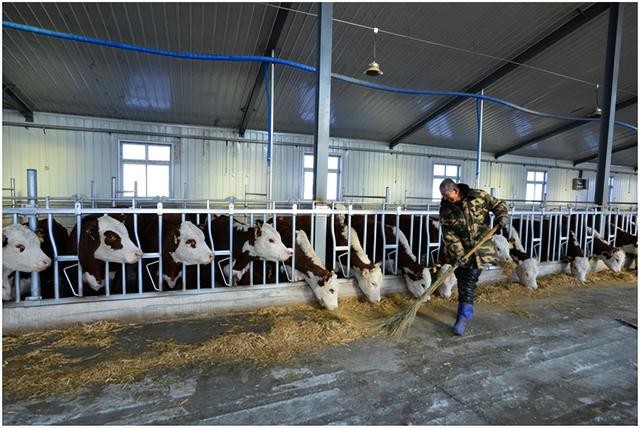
(508, 267)
(293, 330)
(289, 331)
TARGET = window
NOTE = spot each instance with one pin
(147, 164)
(440, 172)
(333, 177)
(536, 185)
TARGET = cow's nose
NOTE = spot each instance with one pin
(210, 256)
(138, 253)
(46, 262)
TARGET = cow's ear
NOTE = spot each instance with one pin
(377, 264)
(176, 236)
(257, 231)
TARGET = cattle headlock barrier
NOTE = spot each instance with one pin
(126, 295)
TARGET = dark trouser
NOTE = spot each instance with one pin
(467, 279)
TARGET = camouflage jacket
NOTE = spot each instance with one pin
(465, 222)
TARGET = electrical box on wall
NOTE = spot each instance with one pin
(579, 184)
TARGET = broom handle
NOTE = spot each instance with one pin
(448, 273)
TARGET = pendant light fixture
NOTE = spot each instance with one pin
(597, 112)
(374, 68)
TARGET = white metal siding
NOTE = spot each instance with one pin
(67, 161)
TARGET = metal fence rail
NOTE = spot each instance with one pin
(544, 233)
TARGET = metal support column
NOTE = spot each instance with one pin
(323, 112)
(32, 193)
(479, 115)
(271, 69)
(610, 88)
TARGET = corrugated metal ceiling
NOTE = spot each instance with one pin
(69, 77)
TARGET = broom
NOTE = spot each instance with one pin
(398, 324)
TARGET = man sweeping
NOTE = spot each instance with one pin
(464, 217)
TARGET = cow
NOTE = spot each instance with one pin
(309, 268)
(613, 257)
(446, 287)
(528, 267)
(575, 255)
(417, 277)
(368, 275)
(20, 252)
(259, 242)
(183, 244)
(61, 237)
(102, 239)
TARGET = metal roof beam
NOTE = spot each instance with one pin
(276, 31)
(13, 97)
(573, 22)
(559, 130)
(615, 150)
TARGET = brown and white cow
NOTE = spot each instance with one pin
(368, 275)
(20, 252)
(183, 244)
(102, 239)
(310, 269)
(416, 277)
(259, 242)
(528, 267)
(579, 263)
(61, 238)
(613, 257)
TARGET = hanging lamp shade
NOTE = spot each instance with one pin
(597, 111)
(373, 69)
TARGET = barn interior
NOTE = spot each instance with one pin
(256, 110)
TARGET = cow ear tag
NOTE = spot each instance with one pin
(175, 239)
(40, 236)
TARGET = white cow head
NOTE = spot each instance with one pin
(323, 283)
(370, 282)
(266, 244)
(417, 282)
(20, 252)
(502, 249)
(369, 279)
(191, 247)
(579, 268)
(615, 260)
(527, 272)
(324, 288)
(446, 288)
(115, 245)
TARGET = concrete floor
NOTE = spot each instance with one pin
(567, 362)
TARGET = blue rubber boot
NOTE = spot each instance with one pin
(465, 313)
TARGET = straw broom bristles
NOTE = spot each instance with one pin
(398, 324)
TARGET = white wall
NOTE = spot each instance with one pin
(67, 161)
